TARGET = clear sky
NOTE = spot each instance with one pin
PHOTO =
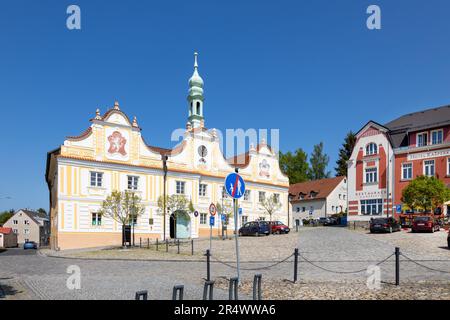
(309, 68)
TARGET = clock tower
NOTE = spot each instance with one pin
(195, 97)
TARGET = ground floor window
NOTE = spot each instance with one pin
(372, 206)
(96, 219)
(203, 217)
(262, 218)
(244, 220)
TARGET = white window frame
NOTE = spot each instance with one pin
(276, 197)
(373, 173)
(98, 218)
(98, 179)
(403, 170)
(421, 134)
(425, 165)
(202, 190)
(371, 151)
(442, 136)
(203, 218)
(133, 183)
(261, 196)
(26, 231)
(180, 187)
(247, 194)
(448, 166)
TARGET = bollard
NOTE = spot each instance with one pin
(209, 286)
(257, 287)
(295, 264)
(296, 228)
(397, 266)
(140, 242)
(141, 294)
(233, 289)
(192, 247)
(178, 290)
(167, 245)
(157, 244)
(178, 246)
(208, 265)
(148, 243)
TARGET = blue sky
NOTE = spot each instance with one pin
(309, 68)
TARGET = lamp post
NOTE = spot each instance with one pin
(164, 160)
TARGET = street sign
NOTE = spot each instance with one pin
(223, 217)
(240, 211)
(211, 221)
(235, 185)
(195, 213)
(212, 209)
(398, 208)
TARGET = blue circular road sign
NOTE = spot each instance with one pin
(235, 185)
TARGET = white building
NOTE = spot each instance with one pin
(318, 198)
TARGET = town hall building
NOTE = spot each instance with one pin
(112, 155)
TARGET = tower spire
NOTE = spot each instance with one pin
(195, 97)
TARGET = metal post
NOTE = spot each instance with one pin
(140, 242)
(210, 237)
(148, 243)
(209, 286)
(157, 245)
(192, 247)
(296, 228)
(236, 237)
(257, 287)
(397, 266)
(164, 160)
(167, 245)
(141, 294)
(295, 264)
(233, 289)
(208, 265)
(178, 245)
(178, 290)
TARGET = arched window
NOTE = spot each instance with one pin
(371, 148)
(198, 107)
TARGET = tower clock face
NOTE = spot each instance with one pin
(202, 151)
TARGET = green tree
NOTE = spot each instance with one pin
(425, 193)
(5, 216)
(271, 205)
(345, 153)
(295, 165)
(318, 163)
(122, 207)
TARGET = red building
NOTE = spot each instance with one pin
(387, 157)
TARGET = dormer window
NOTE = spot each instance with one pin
(371, 149)
(422, 139)
(312, 194)
(301, 195)
(436, 136)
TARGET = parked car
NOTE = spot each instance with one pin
(324, 221)
(384, 225)
(30, 245)
(255, 228)
(278, 227)
(425, 223)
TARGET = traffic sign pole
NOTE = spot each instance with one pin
(236, 236)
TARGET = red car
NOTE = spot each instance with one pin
(279, 227)
(425, 223)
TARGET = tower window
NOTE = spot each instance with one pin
(198, 108)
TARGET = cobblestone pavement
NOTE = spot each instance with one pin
(335, 249)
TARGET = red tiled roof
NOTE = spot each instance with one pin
(322, 187)
(5, 230)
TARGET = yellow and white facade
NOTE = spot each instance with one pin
(112, 155)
